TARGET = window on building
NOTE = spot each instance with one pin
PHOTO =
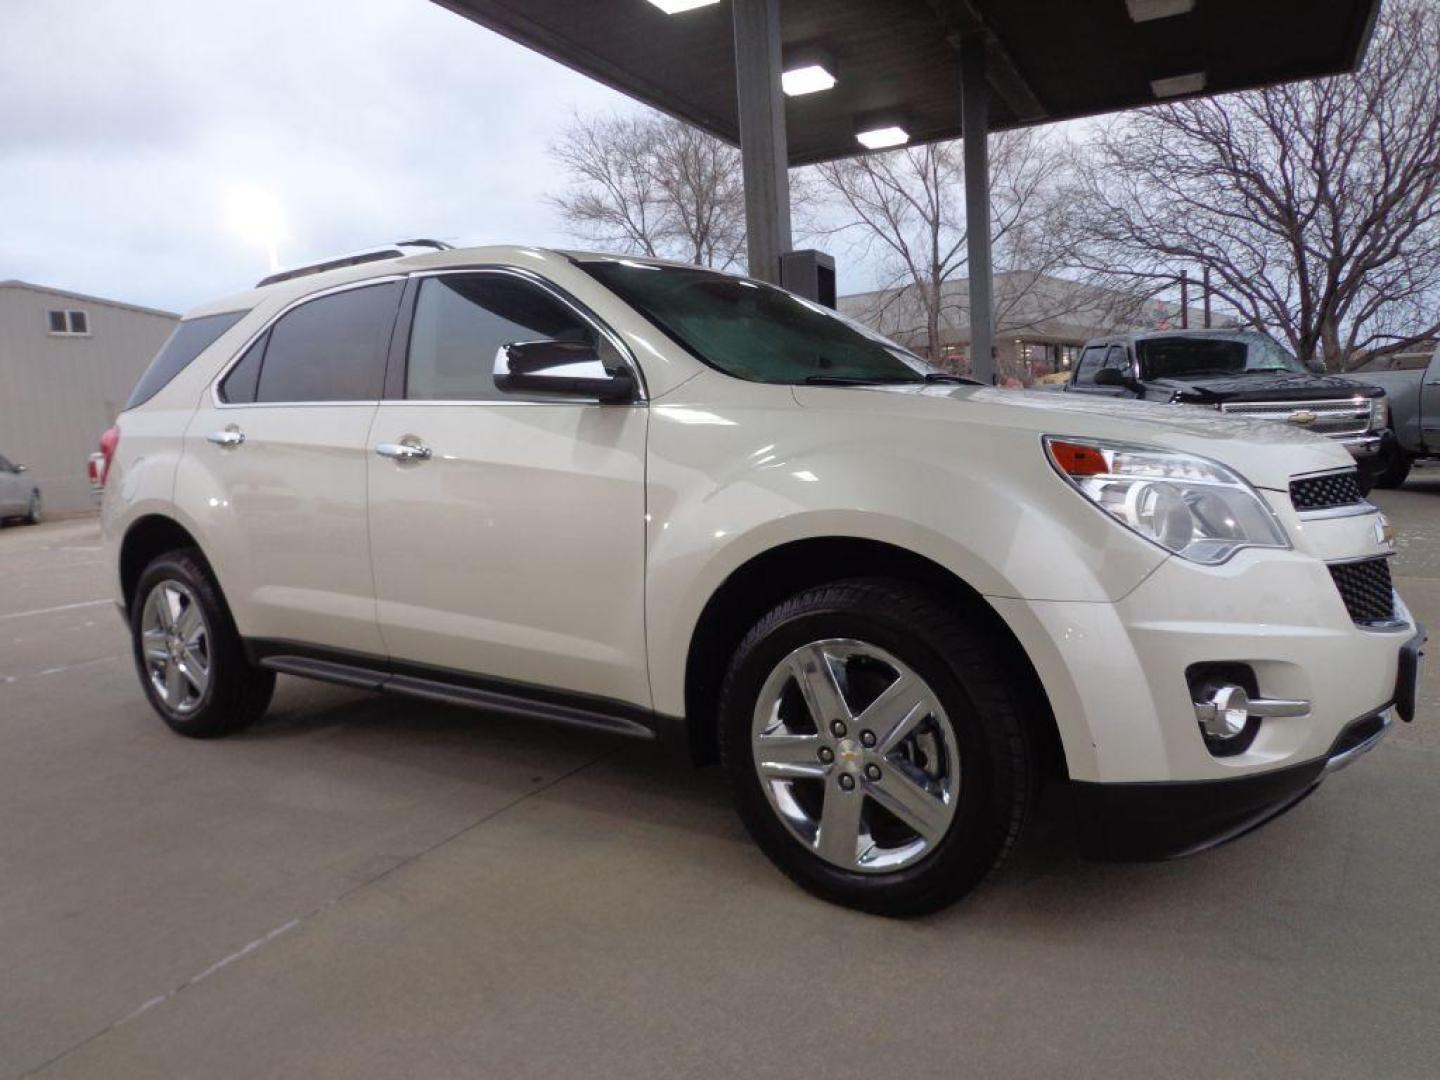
(70, 323)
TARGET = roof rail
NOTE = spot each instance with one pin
(356, 258)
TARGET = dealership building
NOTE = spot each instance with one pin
(67, 365)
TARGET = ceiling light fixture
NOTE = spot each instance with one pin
(1175, 85)
(674, 7)
(810, 79)
(1150, 10)
(881, 138)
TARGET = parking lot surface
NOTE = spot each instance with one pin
(365, 886)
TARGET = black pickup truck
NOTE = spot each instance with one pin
(1240, 373)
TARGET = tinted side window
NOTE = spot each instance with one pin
(1116, 359)
(331, 349)
(241, 384)
(462, 320)
(186, 342)
(1090, 361)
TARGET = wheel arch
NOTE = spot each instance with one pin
(773, 575)
(145, 538)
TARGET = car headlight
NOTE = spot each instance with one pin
(1192, 506)
(1379, 413)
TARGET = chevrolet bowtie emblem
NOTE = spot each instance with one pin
(1304, 418)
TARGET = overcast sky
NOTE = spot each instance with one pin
(125, 124)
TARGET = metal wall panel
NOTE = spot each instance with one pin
(57, 393)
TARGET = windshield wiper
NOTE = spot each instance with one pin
(948, 377)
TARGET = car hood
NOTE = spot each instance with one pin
(1214, 389)
(1266, 453)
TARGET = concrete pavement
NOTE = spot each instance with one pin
(364, 886)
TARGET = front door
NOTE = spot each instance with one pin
(277, 469)
(515, 550)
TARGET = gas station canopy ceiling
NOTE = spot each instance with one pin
(1046, 60)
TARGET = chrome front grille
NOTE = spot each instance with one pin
(1350, 416)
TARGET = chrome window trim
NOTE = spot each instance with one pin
(583, 313)
(264, 327)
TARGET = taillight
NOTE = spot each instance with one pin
(109, 442)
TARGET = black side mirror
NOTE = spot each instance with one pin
(548, 367)
(1110, 376)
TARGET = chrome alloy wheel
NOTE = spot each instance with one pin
(856, 755)
(176, 646)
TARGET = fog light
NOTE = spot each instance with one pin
(1225, 714)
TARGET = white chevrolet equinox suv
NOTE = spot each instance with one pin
(666, 502)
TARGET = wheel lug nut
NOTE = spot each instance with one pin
(847, 781)
(867, 738)
(827, 755)
(872, 772)
(837, 728)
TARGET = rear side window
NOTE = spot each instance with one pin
(186, 342)
(241, 384)
(329, 349)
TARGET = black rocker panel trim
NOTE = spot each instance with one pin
(460, 688)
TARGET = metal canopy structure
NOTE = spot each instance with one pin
(905, 62)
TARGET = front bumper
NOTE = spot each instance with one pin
(1363, 447)
(1143, 822)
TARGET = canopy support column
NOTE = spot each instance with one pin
(974, 108)
(765, 162)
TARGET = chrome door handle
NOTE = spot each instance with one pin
(1432, 382)
(404, 451)
(228, 437)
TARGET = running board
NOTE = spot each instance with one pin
(617, 718)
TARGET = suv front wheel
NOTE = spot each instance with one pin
(875, 747)
(191, 662)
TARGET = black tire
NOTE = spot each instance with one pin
(237, 692)
(32, 513)
(968, 677)
(1393, 471)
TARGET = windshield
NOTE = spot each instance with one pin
(1240, 353)
(755, 331)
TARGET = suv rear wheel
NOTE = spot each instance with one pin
(874, 747)
(189, 656)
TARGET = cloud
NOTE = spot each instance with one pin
(125, 125)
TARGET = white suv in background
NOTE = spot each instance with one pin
(666, 502)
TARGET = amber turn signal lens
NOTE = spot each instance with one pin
(1076, 460)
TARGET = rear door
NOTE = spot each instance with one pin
(276, 469)
(516, 549)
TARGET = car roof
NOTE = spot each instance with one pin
(305, 283)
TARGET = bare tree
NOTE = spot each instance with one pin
(653, 185)
(1315, 205)
(904, 209)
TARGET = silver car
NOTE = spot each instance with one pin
(19, 495)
